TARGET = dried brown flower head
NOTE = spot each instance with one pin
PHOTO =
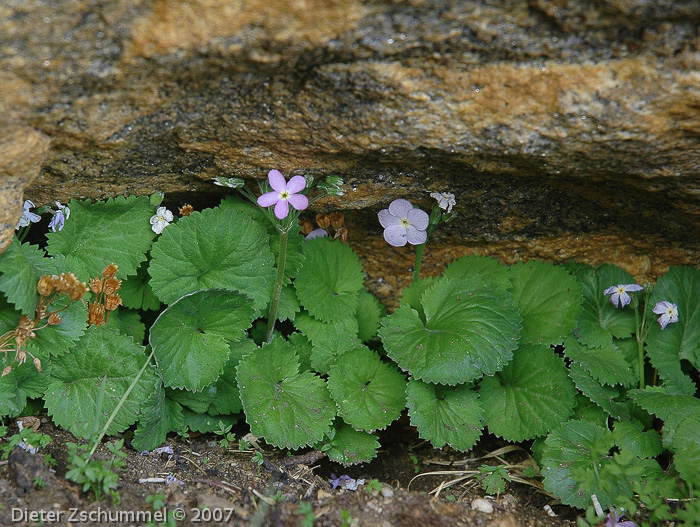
(46, 285)
(111, 286)
(112, 302)
(96, 314)
(323, 220)
(54, 319)
(110, 271)
(306, 227)
(337, 219)
(186, 209)
(341, 233)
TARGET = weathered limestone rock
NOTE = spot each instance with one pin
(566, 129)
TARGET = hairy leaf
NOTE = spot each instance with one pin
(348, 446)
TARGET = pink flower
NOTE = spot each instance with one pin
(284, 194)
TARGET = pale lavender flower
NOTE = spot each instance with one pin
(345, 482)
(284, 194)
(316, 233)
(170, 479)
(403, 223)
(613, 520)
(619, 297)
(59, 217)
(27, 216)
(446, 200)
(668, 312)
(161, 220)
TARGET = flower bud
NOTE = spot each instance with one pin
(6, 371)
(230, 182)
(21, 356)
(37, 364)
(156, 198)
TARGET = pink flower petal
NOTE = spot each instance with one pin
(298, 201)
(395, 235)
(419, 219)
(387, 219)
(296, 184)
(277, 181)
(400, 207)
(416, 237)
(268, 199)
(282, 209)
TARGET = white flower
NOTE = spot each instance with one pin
(445, 200)
(161, 220)
(27, 217)
(403, 223)
(668, 312)
(59, 217)
(619, 293)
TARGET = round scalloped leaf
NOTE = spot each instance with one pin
(469, 331)
(75, 397)
(23, 382)
(58, 339)
(549, 299)
(136, 291)
(191, 337)
(604, 396)
(329, 284)
(369, 314)
(205, 423)
(370, 393)
(114, 231)
(491, 270)
(21, 266)
(449, 415)
(329, 341)
(680, 340)
(159, 416)
(532, 395)
(214, 248)
(349, 446)
(607, 364)
(287, 408)
(600, 321)
(630, 436)
(573, 456)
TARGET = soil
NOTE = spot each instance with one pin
(238, 491)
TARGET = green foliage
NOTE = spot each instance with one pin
(28, 438)
(345, 445)
(21, 266)
(290, 409)
(97, 475)
(470, 330)
(493, 478)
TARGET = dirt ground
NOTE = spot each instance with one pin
(282, 490)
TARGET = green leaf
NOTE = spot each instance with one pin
(607, 364)
(348, 446)
(329, 340)
(370, 393)
(136, 291)
(680, 340)
(600, 321)
(469, 331)
(607, 397)
(491, 270)
(21, 266)
(549, 299)
(449, 415)
(289, 409)
(159, 416)
(129, 323)
(303, 348)
(289, 304)
(191, 337)
(58, 339)
(630, 436)
(680, 413)
(532, 395)
(205, 423)
(22, 383)
(114, 231)
(411, 296)
(215, 248)
(73, 393)
(574, 453)
(329, 284)
(369, 313)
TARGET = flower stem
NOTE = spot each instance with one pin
(416, 266)
(279, 281)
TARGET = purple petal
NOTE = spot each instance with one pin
(625, 299)
(298, 201)
(316, 233)
(416, 237)
(661, 307)
(395, 235)
(610, 289)
(664, 320)
(419, 219)
(387, 219)
(400, 208)
(282, 209)
(296, 184)
(268, 199)
(277, 181)
(632, 287)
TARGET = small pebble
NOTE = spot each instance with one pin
(482, 505)
(387, 492)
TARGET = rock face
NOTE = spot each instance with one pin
(566, 129)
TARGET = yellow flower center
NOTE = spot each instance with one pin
(405, 223)
(284, 194)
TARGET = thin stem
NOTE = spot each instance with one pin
(640, 346)
(416, 266)
(279, 281)
(120, 404)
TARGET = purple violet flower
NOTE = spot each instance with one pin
(403, 223)
(316, 233)
(668, 312)
(285, 194)
(619, 293)
(613, 520)
(27, 216)
(59, 217)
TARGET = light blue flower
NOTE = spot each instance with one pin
(27, 217)
(403, 223)
(619, 297)
(668, 312)
(59, 217)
